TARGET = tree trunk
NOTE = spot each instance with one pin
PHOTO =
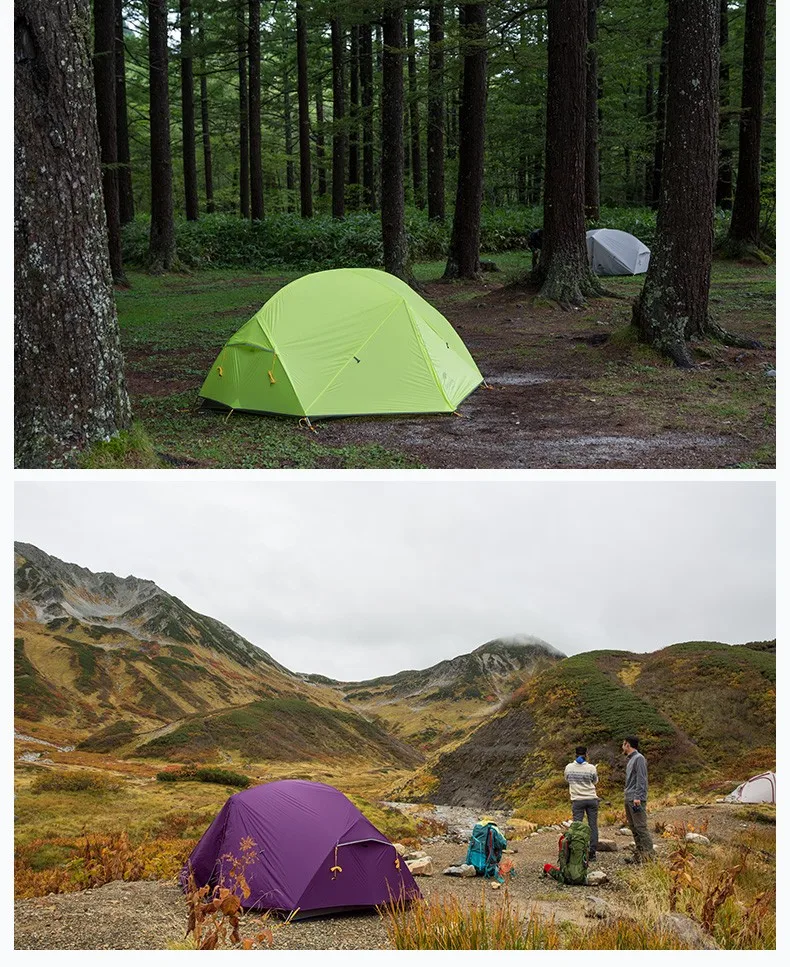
(393, 226)
(661, 117)
(290, 172)
(188, 113)
(125, 195)
(745, 224)
(436, 110)
(724, 182)
(366, 85)
(592, 191)
(414, 115)
(562, 269)
(649, 109)
(320, 148)
(338, 120)
(673, 305)
(242, 39)
(463, 257)
(104, 81)
(162, 246)
(208, 171)
(305, 173)
(68, 369)
(256, 169)
(353, 117)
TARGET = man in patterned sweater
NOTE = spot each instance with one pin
(582, 777)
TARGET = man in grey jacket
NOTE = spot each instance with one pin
(636, 798)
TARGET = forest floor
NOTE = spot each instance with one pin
(570, 388)
(152, 914)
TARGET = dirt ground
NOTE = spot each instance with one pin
(568, 389)
(152, 915)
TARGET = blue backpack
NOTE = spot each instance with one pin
(486, 845)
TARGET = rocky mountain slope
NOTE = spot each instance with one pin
(705, 712)
(113, 664)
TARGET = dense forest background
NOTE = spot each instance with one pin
(212, 59)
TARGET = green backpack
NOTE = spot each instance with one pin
(574, 854)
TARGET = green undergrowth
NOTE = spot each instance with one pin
(244, 440)
(287, 240)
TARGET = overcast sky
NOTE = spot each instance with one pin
(357, 579)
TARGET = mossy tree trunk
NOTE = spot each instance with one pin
(563, 271)
(205, 129)
(745, 224)
(463, 257)
(125, 195)
(162, 244)
(254, 98)
(339, 136)
(106, 116)
(592, 191)
(303, 97)
(436, 99)
(393, 224)
(724, 180)
(69, 383)
(244, 112)
(366, 86)
(673, 305)
(188, 114)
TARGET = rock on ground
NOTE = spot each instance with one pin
(687, 931)
(697, 838)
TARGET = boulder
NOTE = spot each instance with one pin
(594, 906)
(400, 849)
(697, 838)
(596, 877)
(420, 867)
(415, 854)
(465, 869)
(607, 846)
(687, 931)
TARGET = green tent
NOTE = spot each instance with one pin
(344, 342)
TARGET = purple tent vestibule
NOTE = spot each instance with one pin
(314, 851)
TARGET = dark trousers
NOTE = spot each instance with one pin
(589, 806)
(637, 823)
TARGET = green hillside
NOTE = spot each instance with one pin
(280, 730)
(704, 712)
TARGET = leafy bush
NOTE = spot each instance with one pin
(285, 240)
(78, 781)
(222, 777)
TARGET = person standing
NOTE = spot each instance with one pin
(582, 778)
(636, 799)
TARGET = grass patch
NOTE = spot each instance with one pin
(128, 449)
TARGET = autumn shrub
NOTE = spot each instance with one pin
(76, 781)
(69, 864)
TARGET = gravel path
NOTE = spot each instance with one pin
(151, 915)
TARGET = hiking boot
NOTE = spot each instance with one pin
(591, 858)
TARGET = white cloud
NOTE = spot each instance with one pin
(357, 579)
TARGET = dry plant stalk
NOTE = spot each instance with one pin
(214, 912)
(717, 894)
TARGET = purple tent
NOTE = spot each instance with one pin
(314, 851)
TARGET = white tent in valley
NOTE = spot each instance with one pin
(612, 252)
(760, 788)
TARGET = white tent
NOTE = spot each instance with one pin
(760, 788)
(612, 252)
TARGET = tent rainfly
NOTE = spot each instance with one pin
(612, 252)
(760, 788)
(314, 852)
(340, 343)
